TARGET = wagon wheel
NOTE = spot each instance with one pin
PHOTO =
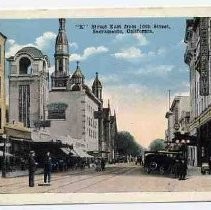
(153, 166)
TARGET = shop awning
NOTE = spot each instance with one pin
(81, 153)
(73, 153)
(65, 150)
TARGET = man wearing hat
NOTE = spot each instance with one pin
(32, 168)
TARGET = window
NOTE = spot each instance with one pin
(24, 104)
(25, 66)
(57, 111)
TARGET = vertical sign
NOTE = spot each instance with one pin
(204, 57)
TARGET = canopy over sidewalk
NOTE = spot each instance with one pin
(81, 153)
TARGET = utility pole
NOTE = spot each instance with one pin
(169, 98)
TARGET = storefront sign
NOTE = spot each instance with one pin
(204, 57)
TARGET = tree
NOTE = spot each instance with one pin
(157, 145)
(126, 144)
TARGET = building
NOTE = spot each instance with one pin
(69, 111)
(178, 127)
(28, 87)
(176, 117)
(72, 103)
(2, 84)
(197, 57)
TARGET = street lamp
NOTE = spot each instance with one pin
(4, 156)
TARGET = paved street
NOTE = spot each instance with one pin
(118, 178)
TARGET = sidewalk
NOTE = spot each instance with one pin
(19, 173)
(194, 171)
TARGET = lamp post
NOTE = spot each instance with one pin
(4, 156)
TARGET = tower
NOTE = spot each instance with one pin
(61, 74)
(28, 86)
(97, 88)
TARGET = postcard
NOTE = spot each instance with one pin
(105, 109)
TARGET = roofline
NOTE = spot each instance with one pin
(176, 98)
(3, 36)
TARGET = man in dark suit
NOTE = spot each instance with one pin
(32, 168)
(47, 167)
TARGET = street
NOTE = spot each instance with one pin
(116, 178)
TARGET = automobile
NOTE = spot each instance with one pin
(204, 168)
(161, 162)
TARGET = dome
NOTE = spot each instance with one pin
(97, 82)
(32, 51)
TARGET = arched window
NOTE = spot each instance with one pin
(25, 66)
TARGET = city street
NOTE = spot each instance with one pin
(118, 178)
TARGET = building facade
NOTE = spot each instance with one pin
(177, 117)
(72, 103)
(2, 84)
(178, 127)
(28, 86)
(197, 57)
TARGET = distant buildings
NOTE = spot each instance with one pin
(63, 108)
(2, 84)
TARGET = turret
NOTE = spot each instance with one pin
(97, 87)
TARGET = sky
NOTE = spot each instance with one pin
(136, 70)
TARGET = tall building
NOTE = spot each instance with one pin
(72, 104)
(60, 76)
(2, 83)
(197, 57)
(28, 87)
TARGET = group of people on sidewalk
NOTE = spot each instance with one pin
(99, 164)
(47, 167)
(33, 165)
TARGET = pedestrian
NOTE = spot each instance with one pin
(102, 164)
(209, 162)
(182, 170)
(32, 168)
(47, 168)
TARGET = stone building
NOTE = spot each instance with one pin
(2, 84)
(71, 103)
(76, 111)
(197, 57)
(176, 116)
(178, 126)
(28, 87)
